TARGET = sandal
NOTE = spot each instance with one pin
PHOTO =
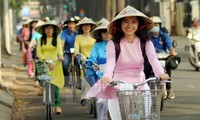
(36, 84)
(40, 92)
(58, 110)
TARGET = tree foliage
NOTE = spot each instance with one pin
(17, 4)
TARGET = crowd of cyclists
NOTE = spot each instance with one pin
(113, 52)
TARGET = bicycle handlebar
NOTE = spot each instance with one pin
(44, 77)
(83, 58)
(50, 61)
(163, 55)
(135, 85)
(46, 61)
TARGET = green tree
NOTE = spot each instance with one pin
(16, 4)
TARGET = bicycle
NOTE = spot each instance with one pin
(138, 104)
(97, 69)
(73, 70)
(44, 69)
(92, 102)
(163, 57)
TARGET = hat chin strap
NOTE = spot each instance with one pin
(115, 29)
(141, 27)
(100, 38)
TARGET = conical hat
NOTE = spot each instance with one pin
(85, 20)
(130, 11)
(102, 20)
(52, 22)
(29, 20)
(39, 23)
(103, 25)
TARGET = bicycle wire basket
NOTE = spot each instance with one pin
(41, 67)
(139, 104)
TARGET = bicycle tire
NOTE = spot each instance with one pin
(73, 83)
(95, 108)
(48, 112)
(161, 87)
(48, 101)
(78, 77)
(91, 108)
(162, 98)
(162, 103)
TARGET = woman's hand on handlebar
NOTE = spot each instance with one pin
(104, 80)
(174, 53)
(164, 76)
(96, 68)
(60, 58)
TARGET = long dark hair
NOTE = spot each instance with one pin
(98, 35)
(30, 31)
(142, 31)
(44, 37)
(80, 29)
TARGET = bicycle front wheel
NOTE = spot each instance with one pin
(94, 107)
(163, 96)
(74, 83)
(48, 112)
(47, 100)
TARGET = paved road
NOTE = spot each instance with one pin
(186, 105)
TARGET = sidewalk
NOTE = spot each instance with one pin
(8, 77)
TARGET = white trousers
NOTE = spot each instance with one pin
(84, 88)
(113, 108)
(102, 109)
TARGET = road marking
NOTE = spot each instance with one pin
(191, 86)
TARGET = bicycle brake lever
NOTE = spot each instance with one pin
(112, 84)
(165, 81)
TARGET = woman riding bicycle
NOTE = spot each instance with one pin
(32, 50)
(128, 29)
(26, 39)
(83, 44)
(50, 48)
(98, 56)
